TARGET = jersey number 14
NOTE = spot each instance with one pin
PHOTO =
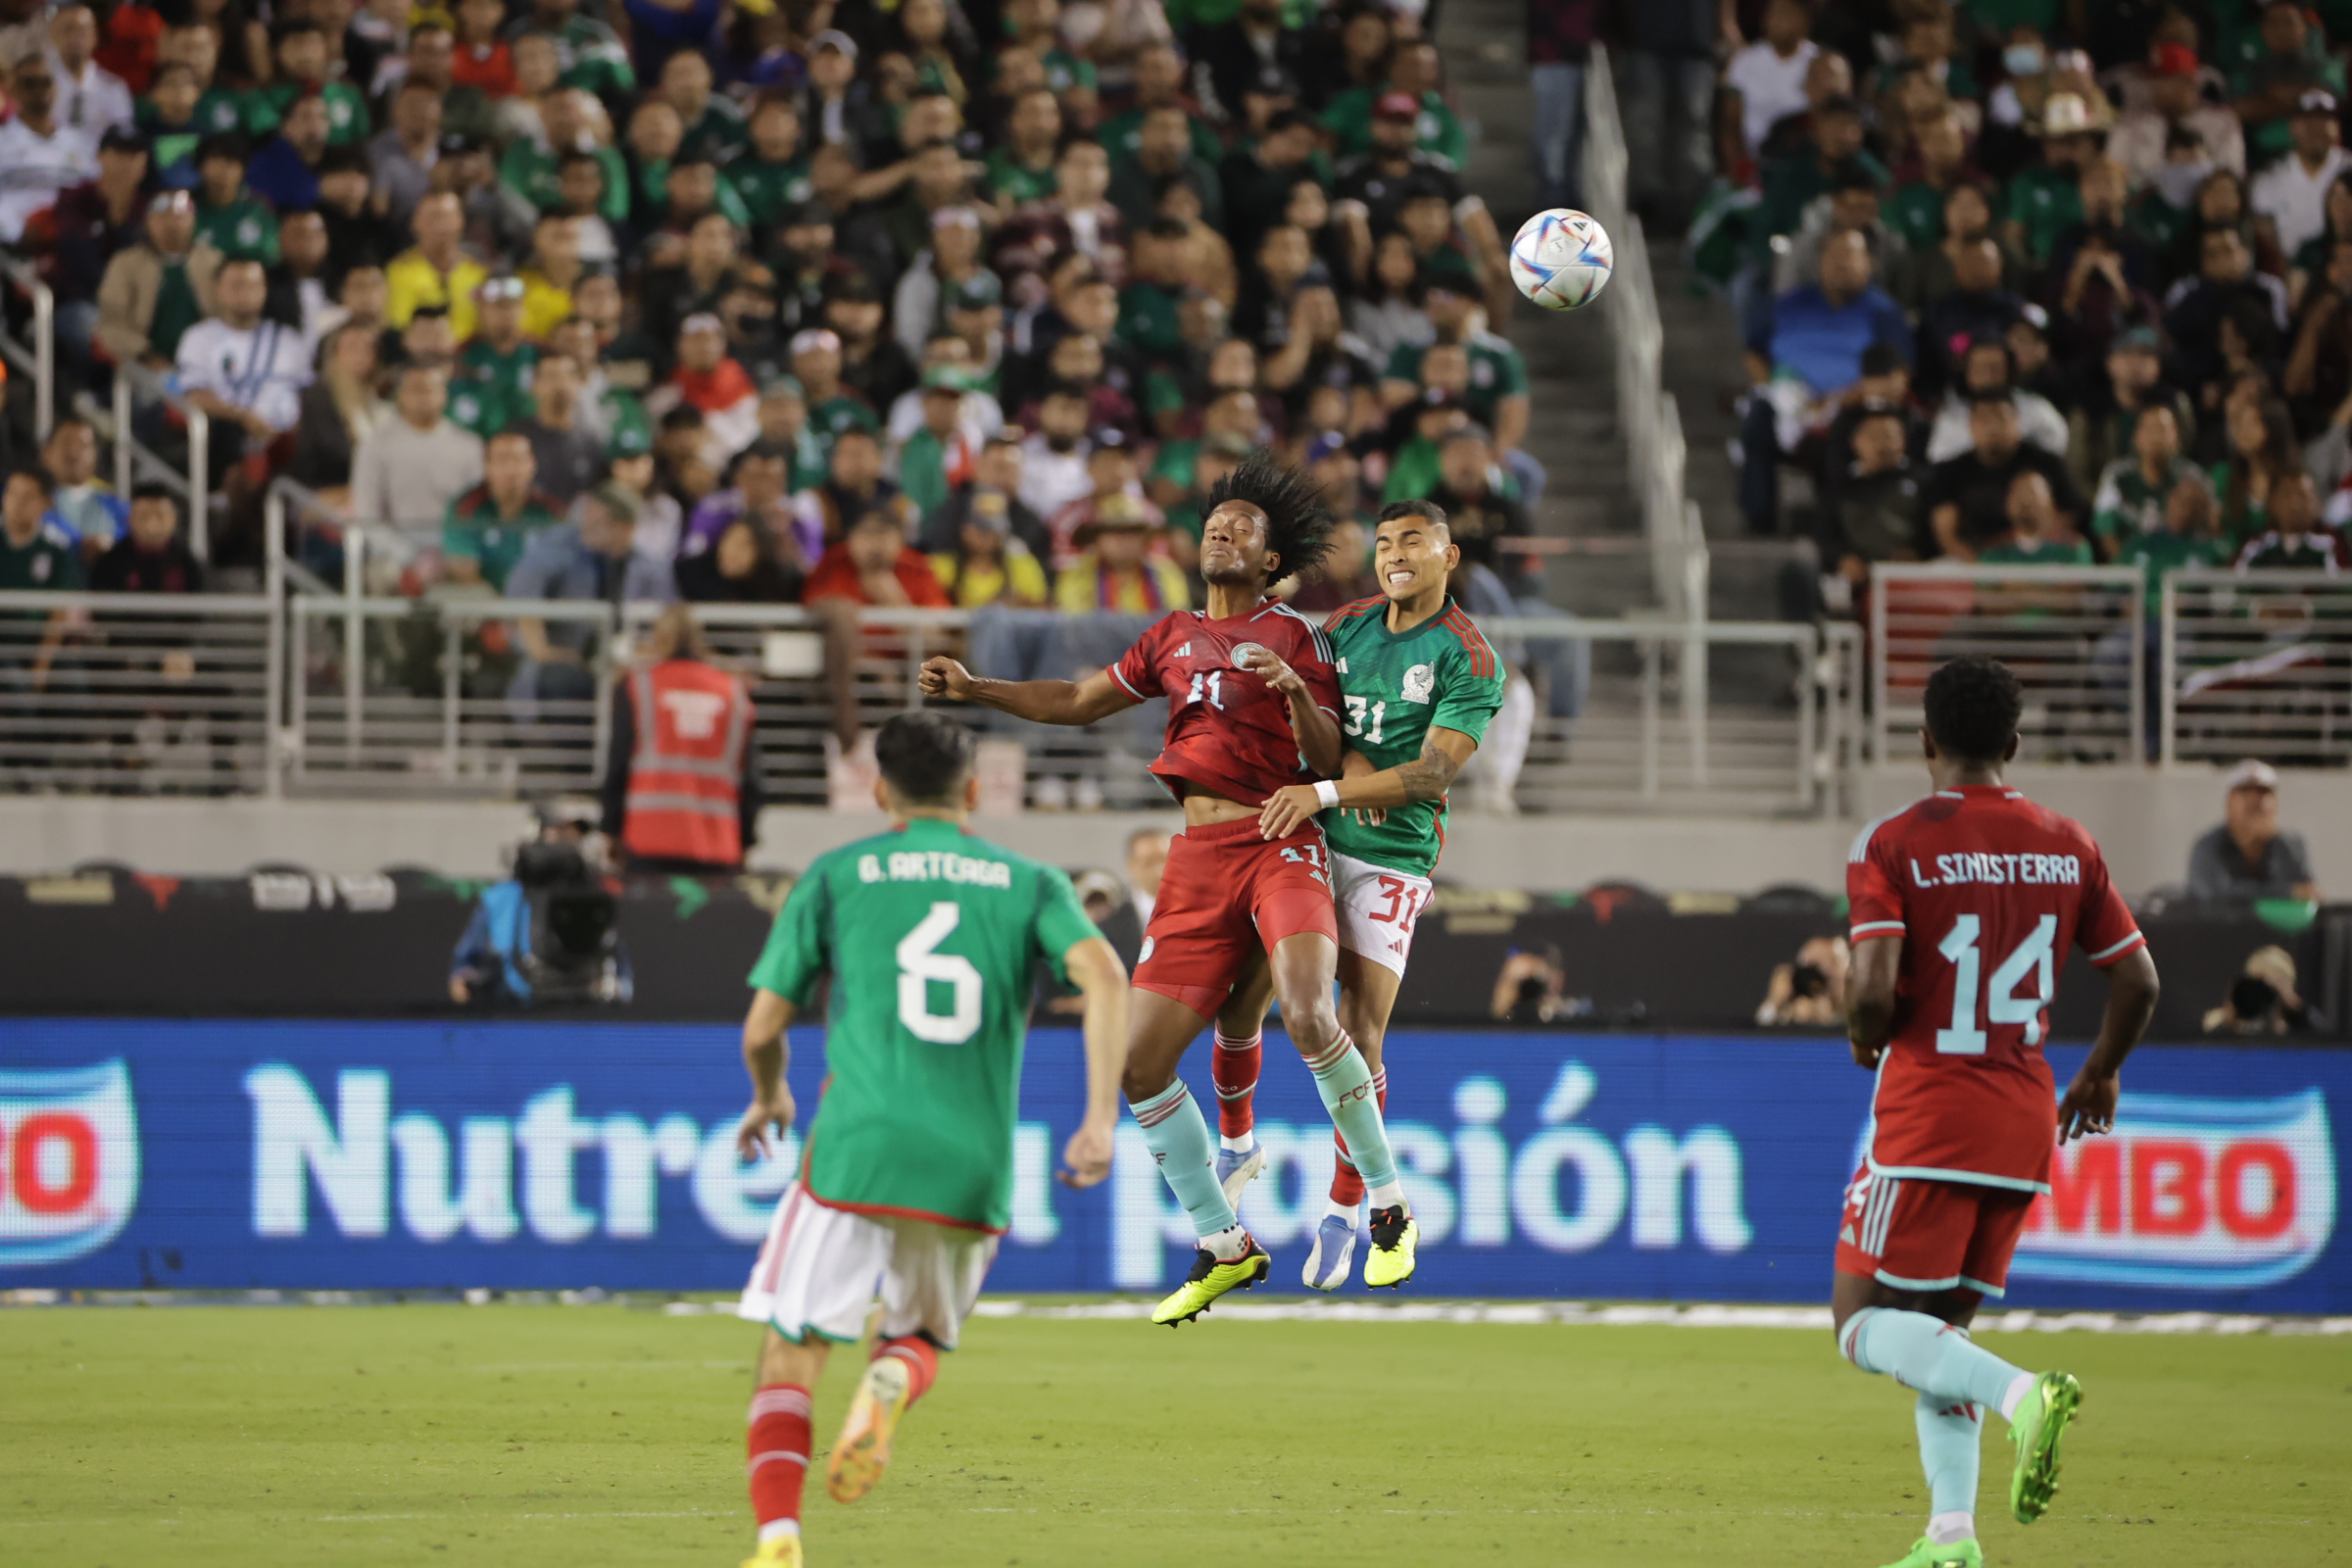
(2035, 955)
(920, 964)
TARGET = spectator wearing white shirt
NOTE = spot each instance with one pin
(1054, 470)
(1768, 75)
(245, 373)
(2292, 195)
(90, 98)
(409, 470)
(38, 156)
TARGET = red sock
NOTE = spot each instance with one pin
(922, 1363)
(778, 1451)
(1234, 1066)
(1346, 1187)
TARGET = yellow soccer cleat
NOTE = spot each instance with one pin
(2035, 1429)
(784, 1551)
(1395, 1236)
(1211, 1279)
(862, 1450)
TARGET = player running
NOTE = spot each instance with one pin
(1252, 706)
(931, 937)
(1420, 686)
(1964, 905)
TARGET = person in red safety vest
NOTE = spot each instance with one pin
(682, 779)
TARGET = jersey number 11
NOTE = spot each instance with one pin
(1965, 1037)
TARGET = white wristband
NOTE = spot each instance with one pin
(1327, 794)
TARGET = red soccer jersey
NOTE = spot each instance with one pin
(1989, 893)
(1229, 731)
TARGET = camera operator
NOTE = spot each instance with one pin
(545, 934)
(2263, 1000)
(1809, 993)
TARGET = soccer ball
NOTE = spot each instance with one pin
(1561, 259)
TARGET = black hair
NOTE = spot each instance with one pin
(1428, 511)
(1297, 522)
(36, 473)
(157, 492)
(924, 757)
(1972, 705)
(685, 416)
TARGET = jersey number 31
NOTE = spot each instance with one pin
(921, 963)
(1966, 1037)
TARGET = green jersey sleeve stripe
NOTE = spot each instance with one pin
(1482, 656)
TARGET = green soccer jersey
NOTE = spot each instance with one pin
(1395, 688)
(491, 390)
(245, 229)
(931, 937)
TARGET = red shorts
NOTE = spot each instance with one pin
(1226, 895)
(1921, 1235)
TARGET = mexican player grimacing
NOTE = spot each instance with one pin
(930, 937)
(1964, 908)
(1252, 706)
(1420, 685)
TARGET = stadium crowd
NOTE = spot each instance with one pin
(921, 304)
(2022, 281)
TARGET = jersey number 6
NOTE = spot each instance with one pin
(921, 963)
(1965, 1038)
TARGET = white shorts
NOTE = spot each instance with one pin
(821, 1270)
(1377, 908)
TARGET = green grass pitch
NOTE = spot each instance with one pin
(517, 1435)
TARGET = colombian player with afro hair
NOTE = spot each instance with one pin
(1252, 706)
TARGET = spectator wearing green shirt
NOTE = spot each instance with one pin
(832, 406)
(1414, 70)
(535, 172)
(1158, 84)
(238, 224)
(1150, 305)
(714, 126)
(1915, 208)
(1022, 169)
(1419, 462)
(2271, 71)
(588, 53)
(928, 464)
(2045, 199)
(2037, 535)
(490, 386)
(490, 526)
(302, 67)
(771, 176)
(1495, 389)
(2134, 491)
(2183, 538)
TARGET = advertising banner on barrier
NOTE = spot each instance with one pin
(518, 1156)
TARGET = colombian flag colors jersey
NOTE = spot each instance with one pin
(1989, 893)
(1229, 732)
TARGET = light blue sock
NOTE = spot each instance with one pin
(1177, 1135)
(1344, 1082)
(1930, 1355)
(1949, 1450)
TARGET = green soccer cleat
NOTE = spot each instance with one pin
(1211, 1279)
(2042, 1417)
(1395, 1236)
(1925, 1553)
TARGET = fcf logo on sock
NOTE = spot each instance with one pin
(68, 1162)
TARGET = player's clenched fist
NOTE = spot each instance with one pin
(943, 677)
(1087, 1155)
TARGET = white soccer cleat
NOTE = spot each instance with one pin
(1333, 1259)
(1237, 1168)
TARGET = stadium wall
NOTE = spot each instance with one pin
(2144, 818)
(413, 1156)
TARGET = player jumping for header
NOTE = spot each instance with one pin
(1252, 706)
(1964, 908)
(931, 937)
(1420, 686)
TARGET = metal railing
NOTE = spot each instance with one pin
(2076, 637)
(38, 358)
(136, 462)
(138, 693)
(1647, 410)
(2256, 664)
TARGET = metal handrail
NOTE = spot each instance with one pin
(2170, 673)
(132, 455)
(41, 354)
(1645, 410)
